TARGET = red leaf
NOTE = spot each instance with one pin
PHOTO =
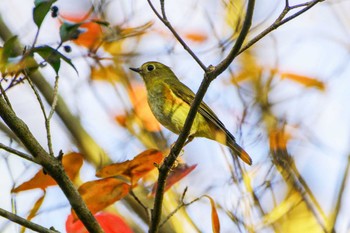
(110, 223)
(175, 176)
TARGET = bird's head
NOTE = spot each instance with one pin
(152, 70)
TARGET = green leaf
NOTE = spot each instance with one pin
(70, 31)
(53, 57)
(8, 49)
(42, 7)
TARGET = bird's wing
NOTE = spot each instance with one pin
(188, 96)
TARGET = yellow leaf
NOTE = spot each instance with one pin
(234, 13)
(109, 73)
(35, 209)
(293, 215)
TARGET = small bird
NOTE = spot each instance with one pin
(170, 101)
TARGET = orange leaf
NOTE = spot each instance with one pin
(71, 162)
(304, 80)
(99, 194)
(214, 216)
(278, 139)
(196, 37)
(133, 169)
(175, 176)
(138, 97)
(35, 209)
(92, 35)
(121, 119)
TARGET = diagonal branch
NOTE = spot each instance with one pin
(280, 21)
(24, 222)
(174, 32)
(210, 74)
(52, 165)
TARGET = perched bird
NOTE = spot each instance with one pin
(170, 101)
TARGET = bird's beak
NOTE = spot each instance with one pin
(137, 70)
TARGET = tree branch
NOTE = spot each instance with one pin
(24, 222)
(210, 74)
(50, 164)
(176, 35)
(280, 21)
(222, 66)
(19, 153)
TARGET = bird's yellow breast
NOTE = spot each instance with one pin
(171, 111)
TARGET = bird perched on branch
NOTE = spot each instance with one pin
(170, 101)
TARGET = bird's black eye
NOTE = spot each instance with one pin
(150, 67)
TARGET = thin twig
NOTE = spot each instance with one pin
(334, 215)
(177, 36)
(19, 153)
(24, 222)
(222, 66)
(3, 93)
(278, 22)
(51, 165)
(48, 120)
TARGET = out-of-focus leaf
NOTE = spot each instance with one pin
(70, 31)
(35, 209)
(110, 223)
(278, 139)
(91, 30)
(235, 12)
(41, 8)
(214, 216)
(122, 120)
(111, 73)
(293, 215)
(196, 37)
(304, 80)
(8, 49)
(99, 194)
(177, 174)
(71, 162)
(117, 33)
(115, 48)
(133, 169)
(249, 73)
(12, 64)
(18, 64)
(53, 57)
(138, 97)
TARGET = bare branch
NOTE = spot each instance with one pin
(279, 22)
(177, 36)
(222, 66)
(50, 164)
(24, 222)
(19, 153)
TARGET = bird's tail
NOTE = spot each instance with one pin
(239, 151)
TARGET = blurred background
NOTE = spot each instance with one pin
(285, 99)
